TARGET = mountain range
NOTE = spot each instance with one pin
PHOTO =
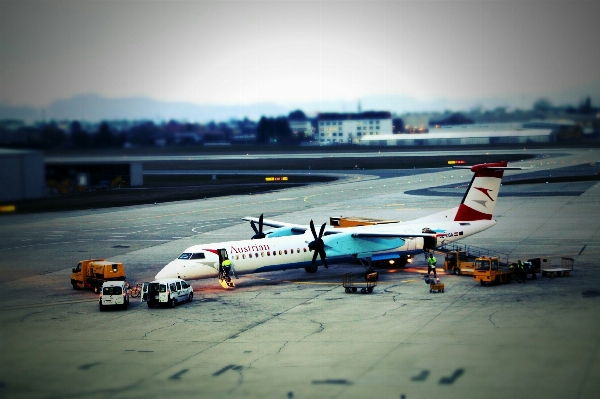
(94, 108)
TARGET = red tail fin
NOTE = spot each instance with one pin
(480, 199)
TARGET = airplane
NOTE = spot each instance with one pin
(292, 246)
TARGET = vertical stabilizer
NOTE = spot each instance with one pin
(480, 199)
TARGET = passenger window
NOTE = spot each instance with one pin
(280, 252)
(262, 254)
(243, 256)
(172, 287)
(256, 254)
(237, 257)
(304, 249)
(297, 250)
(249, 255)
(285, 251)
(178, 286)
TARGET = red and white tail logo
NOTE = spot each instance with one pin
(480, 199)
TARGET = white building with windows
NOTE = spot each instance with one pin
(350, 128)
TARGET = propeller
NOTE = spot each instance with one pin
(318, 245)
(258, 232)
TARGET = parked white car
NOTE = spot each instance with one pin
(114, 293)
(167, 291)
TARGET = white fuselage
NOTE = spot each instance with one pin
(292, 252)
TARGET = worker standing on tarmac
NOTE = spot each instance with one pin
(226, 265)
(431, 261)
(521, 271)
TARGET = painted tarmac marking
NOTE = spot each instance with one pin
(582, 249)
(176, 376)
(336, 382)
(590, 294)
(88, 366)
(224, 369)
(450, 380)
(421, 377)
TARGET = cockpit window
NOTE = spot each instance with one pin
(185, 255)
(199, 255)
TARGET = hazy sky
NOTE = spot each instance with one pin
(289, 52)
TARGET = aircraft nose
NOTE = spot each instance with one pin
(163, 273)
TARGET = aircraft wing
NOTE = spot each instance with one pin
(392, 235)
(297, 228)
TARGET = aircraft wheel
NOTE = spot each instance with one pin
(311, 269)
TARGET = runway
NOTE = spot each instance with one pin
(298, 335)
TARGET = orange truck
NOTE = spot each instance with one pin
(92, 273)
(489, 270)
(459, 263)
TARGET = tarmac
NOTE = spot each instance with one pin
(299, 335)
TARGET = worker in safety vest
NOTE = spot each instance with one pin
(521, 271)
(431, 261)
(226, 265)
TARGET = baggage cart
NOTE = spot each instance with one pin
(565, 268)
(353, 286)
(434, 284)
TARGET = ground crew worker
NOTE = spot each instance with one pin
(431, 261)
(226, 265)
(521, 271)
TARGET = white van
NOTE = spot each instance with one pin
(114, 293)
(168, 290)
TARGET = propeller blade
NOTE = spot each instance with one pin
(312, 228)
(322, 229)
(258, 232)
(322, 254)
(314, 260)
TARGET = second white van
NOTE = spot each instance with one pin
(168, 291)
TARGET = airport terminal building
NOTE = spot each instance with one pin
(465, 135)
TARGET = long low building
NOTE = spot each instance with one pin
(21, 175)
(468, 137)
